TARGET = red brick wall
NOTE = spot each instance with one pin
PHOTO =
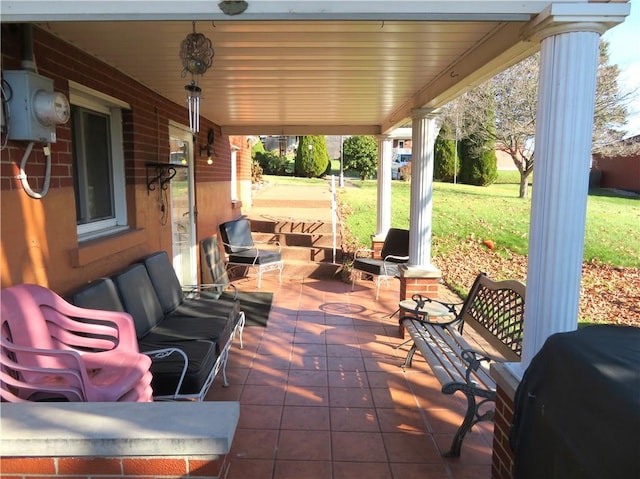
(502, 460)
(622, 173)
(39, 240)
(121, 467)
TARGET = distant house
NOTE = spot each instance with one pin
(620, 172)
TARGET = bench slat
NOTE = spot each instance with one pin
(441, 348)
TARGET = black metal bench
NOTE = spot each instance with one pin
(495, 311)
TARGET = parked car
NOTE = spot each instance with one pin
(399, 160)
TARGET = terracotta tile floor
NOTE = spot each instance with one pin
(323, 395)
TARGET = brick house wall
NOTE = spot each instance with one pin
(621, 172)
(39, 239)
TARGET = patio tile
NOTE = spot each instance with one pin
(357, 446)
(401, 420)
(421, 471)
(354, 419)
(350, 397)
(254, 444)
(349, 379)
(368, 470)
(315, 418)
(303, 377)
(264, 395)
(343, 364)
(307, 396)
(323, 393)
(411, 447)
(304, 445)
(260, 416)
(253, 468)
(302, 469)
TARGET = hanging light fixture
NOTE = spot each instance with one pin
(196, 54)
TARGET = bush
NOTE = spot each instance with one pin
(272, 164)
(478, 162)
(311, 162)
(446, 166)
(361, 155)
(256, 172)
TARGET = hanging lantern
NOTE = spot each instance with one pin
(196, 55)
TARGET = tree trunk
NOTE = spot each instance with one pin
(524, 177)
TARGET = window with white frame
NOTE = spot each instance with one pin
(98, 163)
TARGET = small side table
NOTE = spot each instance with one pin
(431, 311)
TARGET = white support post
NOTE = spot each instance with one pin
(383, 217)
(569, 61)
(423, 139)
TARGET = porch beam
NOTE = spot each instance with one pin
(106, 10)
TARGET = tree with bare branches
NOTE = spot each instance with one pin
(512, 96)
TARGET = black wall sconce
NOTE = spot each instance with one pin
(208, 148)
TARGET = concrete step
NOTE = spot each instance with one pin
(318, 255)
(295, 269)
(275, 224)
(298, 239)
(286, 203)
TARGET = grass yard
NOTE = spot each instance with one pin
(463, 212)
(464, 216)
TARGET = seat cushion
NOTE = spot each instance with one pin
(99, 294)
(139, 298)
(396, 243)
(375, 266)
(166, 372)
(236, 235)
(255, 257)
(214, 267)
(164, 280)
(208, 307)
(182, 328)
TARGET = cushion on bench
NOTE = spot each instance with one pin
(140, 300)
(166, 371)
(99, 294)
(172, 299)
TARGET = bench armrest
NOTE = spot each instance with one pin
(163, 353)
(195, 290)
(473, 359)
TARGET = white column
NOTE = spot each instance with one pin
(564, 121)
(383, 218)
(423, 139)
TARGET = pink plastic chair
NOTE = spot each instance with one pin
(54, 350)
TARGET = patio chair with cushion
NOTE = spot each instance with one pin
(53, 350)
(395, 251)
(243, 251)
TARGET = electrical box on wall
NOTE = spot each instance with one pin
(34, 108)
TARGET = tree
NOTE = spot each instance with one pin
(312, 156)
(360, 153)
(446, 166)
(513, 94)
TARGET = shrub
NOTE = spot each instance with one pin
(361, 155)
(446, 166)
(271, 163)
(311, 162)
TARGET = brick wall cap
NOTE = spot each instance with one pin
(428, 272)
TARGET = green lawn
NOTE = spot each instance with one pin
(461, 212)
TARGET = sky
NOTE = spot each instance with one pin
(624, 50)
